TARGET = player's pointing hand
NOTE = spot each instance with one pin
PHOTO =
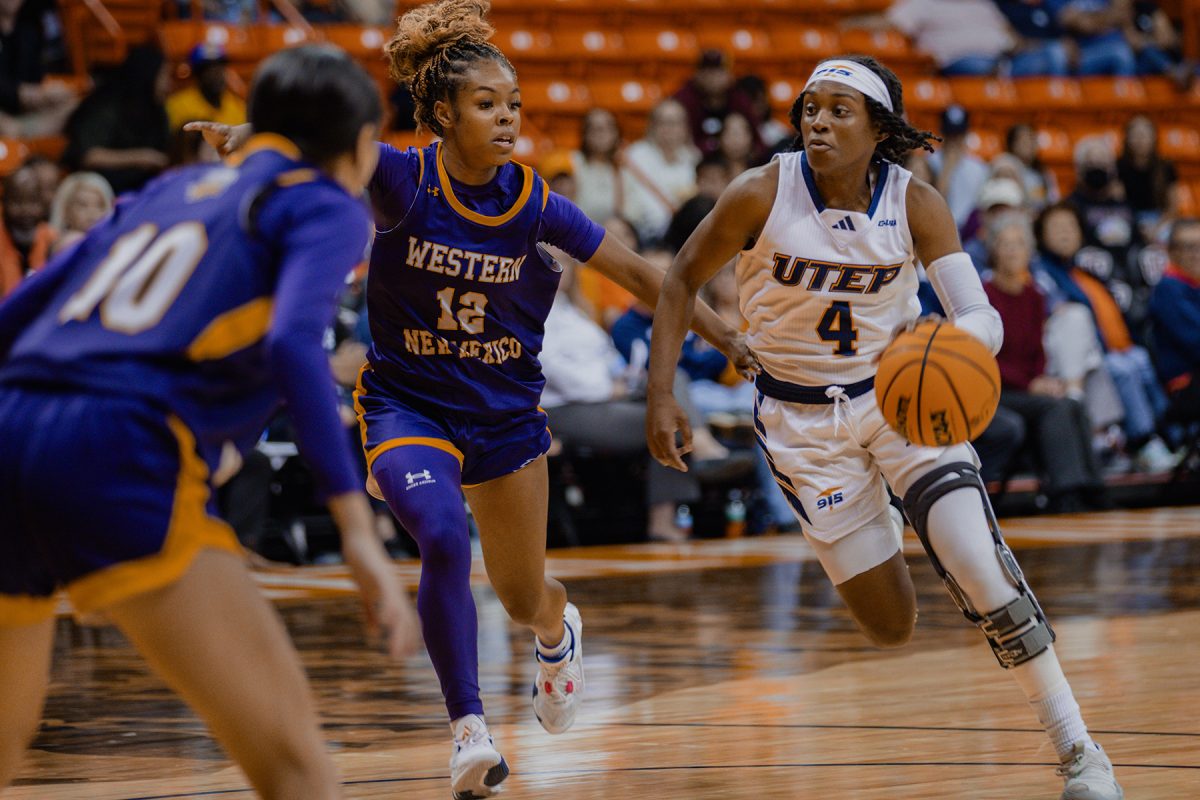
(225, 139)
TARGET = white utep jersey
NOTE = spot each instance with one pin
(822, 288)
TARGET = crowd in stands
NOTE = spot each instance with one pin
(1098, 282)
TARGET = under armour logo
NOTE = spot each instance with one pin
(418, 478)
(844, 225)
(433, 190)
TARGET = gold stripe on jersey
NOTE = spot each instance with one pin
(474, 216)
(232, 331)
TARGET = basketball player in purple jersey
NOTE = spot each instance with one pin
(458, 291)
(129, 364)
(826, 240)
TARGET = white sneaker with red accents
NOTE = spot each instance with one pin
(559, 685)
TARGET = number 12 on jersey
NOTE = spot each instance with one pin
(837, 325)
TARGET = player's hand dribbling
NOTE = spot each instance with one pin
(225, 139)
(908, 327)
(664, 418)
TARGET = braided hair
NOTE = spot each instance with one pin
(432, 49)
(901, 137)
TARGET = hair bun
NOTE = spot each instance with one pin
(425, 31)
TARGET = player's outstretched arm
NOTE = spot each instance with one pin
(225, 139)
(737, 219)
(321, 237)
(642, 279)
(950, 270)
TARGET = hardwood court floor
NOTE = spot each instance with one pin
(722, 670)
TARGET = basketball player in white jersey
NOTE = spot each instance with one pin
(826, 240)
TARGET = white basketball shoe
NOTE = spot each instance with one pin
(559, 685)
(476, 767)
(1089, 774)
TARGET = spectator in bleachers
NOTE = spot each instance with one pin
(965, 37)
(1040, 185)
(82, 200)
(709, 97)
(604, 187)
(959, 174)
(605, 299)
(1157, 44)
(367, 12)
(234, 11)
(1175, 314)
(1059, 238)
(30, 106)
(121, 129)
(1059, 428)
(998, 197)
(712, 176)
(49, 175)
(774, 135)
(1041, 48)
(592, 411)
(25, 237)
(1097, 30)
(1150, 182)
(557, 168)
(663, 165)
(207, 98)
(737, 144)
(1108, 222)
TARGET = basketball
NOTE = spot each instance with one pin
(937, 385)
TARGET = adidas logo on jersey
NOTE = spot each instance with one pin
(844, 225)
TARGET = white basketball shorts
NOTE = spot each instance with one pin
(832, 461)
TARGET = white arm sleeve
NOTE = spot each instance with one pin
(957, 285)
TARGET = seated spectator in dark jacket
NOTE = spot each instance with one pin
(709, 97)
(1108, 221)
(30, 105)
(1059, 429)
(1150, 181)
(1175, 314)
(712, 177)
(120, 130)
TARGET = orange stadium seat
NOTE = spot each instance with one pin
(364, 43)
(984, 143)
(659, 43)
(1054, 145)
(985, 94)
(567, 97)
(273, 38)
(590, 43)
(928, 94)
(1179, 142)
(1114, 94)
(13, 153)
(1050, 94)
(524, 42)
(887, 46)
(623, 95)
(807, 43)
(741, 42)
(783, 93)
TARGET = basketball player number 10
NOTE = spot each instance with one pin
(837, 325)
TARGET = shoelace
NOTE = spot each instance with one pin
(838, 395)
(475, 735)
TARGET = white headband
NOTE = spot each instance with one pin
(854, 75)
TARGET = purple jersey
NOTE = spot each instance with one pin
(459, 288)
(207, 294)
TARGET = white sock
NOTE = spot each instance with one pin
(556, 652)
(1044, 684)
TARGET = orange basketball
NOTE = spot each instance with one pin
(937, 385)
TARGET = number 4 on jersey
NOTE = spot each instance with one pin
(837, 325)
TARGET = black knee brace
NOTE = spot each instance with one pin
(1018, 631)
